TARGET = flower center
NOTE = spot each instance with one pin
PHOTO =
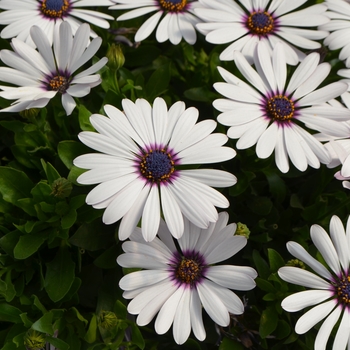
(280, 108)
(260, 23)
(157, 165)
(173, 5)
(188, 271)
(54, 8)
(59, 83)
(343, 290)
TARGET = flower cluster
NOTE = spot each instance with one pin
(162, 170)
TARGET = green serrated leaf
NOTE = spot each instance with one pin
(60, 275)
(51, 173)
(44, 324)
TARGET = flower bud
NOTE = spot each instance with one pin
(115, 57)
(34, 340)
(30, 113)
(296, 263)
(61, 188)
(107, 320)
(242, 230)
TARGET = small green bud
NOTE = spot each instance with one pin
(115, 57)
(34, 340)
(29, 113)
(107, 320)
(296, 263)
(242, 230)
(61, 188)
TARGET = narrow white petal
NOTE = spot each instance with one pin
(196, 316)
(313, 316)
(326, 329)
(302, 277)
(167, 312)
(182, 320)
(342, 336)
(151, 215)
(301, 300)
(267, 141)
(300, 253)
(147, 27)
(172, 212)
(141, 279)
(212, 304)
(325, 246)
(337, 234)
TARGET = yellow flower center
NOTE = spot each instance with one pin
(173, 5)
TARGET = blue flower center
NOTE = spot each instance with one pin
(280, 108)
(54, 8)
(343, 290)
(188, 270)
(260, 23)
(157, 165)
(173, 5)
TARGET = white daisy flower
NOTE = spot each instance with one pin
(42, 74)
(140, 171)
(177, 282)
(178, 21)
(20, 15)
(246, 22)
(339, 26)
(330, 287)
(269, 112)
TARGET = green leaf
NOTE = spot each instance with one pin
(69, 150)
(26, 321)
(201, 94)
(38, 304)
(93, 236)
(51, 173)
(261, 265)
(29, 244)
(14, 184)
(265, 285)
(57, 343)
(260, 205)
(275, 260)
(59, 275)
(79, 316)
(158, 82)
(10, 313)
(230, 344)
(90, 335)
(9, 241)
(268, 322)
(84, 118)
(44, 324)
(68, 220)
(136, 336)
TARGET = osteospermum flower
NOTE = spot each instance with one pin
(339, 26)
(42, 74)
(140, 169)
(270, 112)
(176, 283)
(19, 16)
(330, 287)
(177, 23)
(244, 23)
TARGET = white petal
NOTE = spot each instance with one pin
(182, 320)
(326, 329)
(342, 336)
(151, 215)
(302, 277)
(313, 316)
(196, 316)
(325, 246)
(301, 300)
(141, 279)
(212, 304)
